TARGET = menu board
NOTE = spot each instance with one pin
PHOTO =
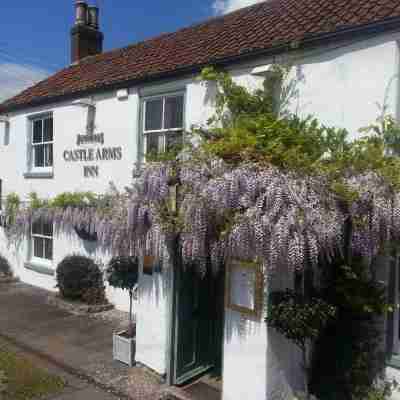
(244, 287)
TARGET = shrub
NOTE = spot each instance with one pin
(353, 341)
(80, 278)
(5, 268)
(300, 319)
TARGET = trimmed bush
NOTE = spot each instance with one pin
(123, 273)
(5, 268)
(79, 278)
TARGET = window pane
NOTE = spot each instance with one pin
(153, 115)
(173, 112)
(38, 247)
(38, 155)
(37, 131)
(48, 130)
(37, 227)
(48, 155)
(152, 143)
(47, 229)
(48, 249)
(173, 140)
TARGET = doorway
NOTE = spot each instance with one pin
(198, 328)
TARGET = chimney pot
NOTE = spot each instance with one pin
(93, 17)
(81, 12)
(86, 38)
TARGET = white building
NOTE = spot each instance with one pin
(139, 97)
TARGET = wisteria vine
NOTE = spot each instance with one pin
(246, 212)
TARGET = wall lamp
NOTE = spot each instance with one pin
(91, 113)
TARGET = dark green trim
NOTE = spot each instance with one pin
(171, 325)
(39, 175)
(192, 374)
(41, 269)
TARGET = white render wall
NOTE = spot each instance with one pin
(117, 119)
(152, 316)
(341, 88)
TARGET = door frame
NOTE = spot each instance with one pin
(173, 328)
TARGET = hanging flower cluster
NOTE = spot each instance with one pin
(247, 212)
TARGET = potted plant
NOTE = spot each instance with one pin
(122, 273)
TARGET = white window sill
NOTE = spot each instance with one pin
(44, 268)
(39, 175)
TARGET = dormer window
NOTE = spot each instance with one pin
(163, 123)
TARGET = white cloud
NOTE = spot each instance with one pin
(226, 6)
(16, 77)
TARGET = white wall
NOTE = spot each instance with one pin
(152, 316)
(258, 362)
(117, 119)
(244, 357)
(342, 87)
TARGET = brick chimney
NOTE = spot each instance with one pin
(86, 39)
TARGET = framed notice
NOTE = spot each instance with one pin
(244, 287)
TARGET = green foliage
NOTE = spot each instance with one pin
(35, 202)
(122, 272)
(73, 199)
(3, 383)
(234, 101)
(298, 318)
(80, 278)
(64, 200)
(170, 154)
(20, 379)
(12, 205)
(381, 391)
(359, 293)
(387, 128)
(348, 357)
(247, 127)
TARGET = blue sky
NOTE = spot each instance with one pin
(34, 35)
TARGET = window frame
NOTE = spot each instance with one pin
(41, 260)
(44, 144)
(163, 132)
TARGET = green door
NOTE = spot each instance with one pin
(195, 341)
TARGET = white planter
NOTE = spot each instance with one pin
(124, 348)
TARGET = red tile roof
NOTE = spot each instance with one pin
(270, 25)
